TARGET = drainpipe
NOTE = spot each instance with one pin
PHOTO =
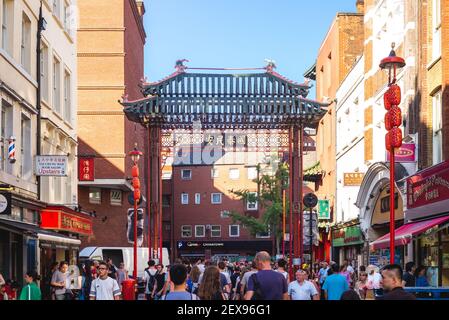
(40, 27)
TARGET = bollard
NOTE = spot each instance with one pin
(129, 289)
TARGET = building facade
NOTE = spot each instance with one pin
(111, 40)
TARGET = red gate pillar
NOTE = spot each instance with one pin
(296, 192)
(155, 182)
(148, 188)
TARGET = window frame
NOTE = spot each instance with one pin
(214, 173)
(182, 174)
(436, 30)
(26, 164)
(25, 43)
(212, 197)
(234, 170)
(56, 85)
(183, 230)
(437, 131)
(115, 202)
(248, 173)
(238, 230)
(67, 112)
(204, 230)
(212, 231)
(7, 25)
(257, 203)
(198, 197)
(94, 200)
(182, 198)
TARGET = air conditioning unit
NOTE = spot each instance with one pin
(208, 227)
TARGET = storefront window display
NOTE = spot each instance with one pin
(381, 257)
(434, 255)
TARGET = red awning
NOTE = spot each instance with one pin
(404, 234)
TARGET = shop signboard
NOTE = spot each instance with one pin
(51, 166)
(428, 186)
(347, 236)
(405, 154)
(86, 169)
(55, 219)
(5, 203)
(353, 179)
(323, 210)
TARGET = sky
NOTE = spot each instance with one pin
(237, 33)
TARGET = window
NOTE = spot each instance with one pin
(44, 72)
(5, 132)
(166, 200)
(200, 231)
(436, 29)
(66, 17)
(95, 195)
(25, 48)
(215, 231)
(186, 174)
(67, 98)
(263, 235)
(184, 198)
(7, 23)
(116, 197)
(215, 198)
(57, 8)
(225, 214)
(234, 174)
(437, 128)
(251, 202)
(197, 198)
(214, 173)
(234, 230)
(25, 148)
(186, 231)
(252, 173)
(56, 85)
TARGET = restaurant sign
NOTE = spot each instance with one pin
(347, 236)
(406, 153)
(353, 179)
(86, 169)
(428, 186)
(51, 166)
(59, 220)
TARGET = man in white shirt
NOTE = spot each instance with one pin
(104, 287)
(302, 289)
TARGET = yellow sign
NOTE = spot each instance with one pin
(353, 179)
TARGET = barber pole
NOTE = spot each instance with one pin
(12, 150)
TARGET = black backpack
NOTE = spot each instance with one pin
(151, 281)
(258, 293)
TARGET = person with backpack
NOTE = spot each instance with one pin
(150, 280)
(266, 284)
(178, 276)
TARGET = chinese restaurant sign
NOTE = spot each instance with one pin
(86, 169)
(60, 220)
(323, 210)
(353, 179)
(51, 166)
(347, 236)
(428, 186)
(406, 153)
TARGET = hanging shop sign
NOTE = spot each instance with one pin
(428, 186)
(323, 210)
(57, 219)
(347, 236)
(86, 169)
(405, 153)
(5, 203)
(51, 166)
(353, 179)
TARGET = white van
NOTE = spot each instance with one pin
(122, 254)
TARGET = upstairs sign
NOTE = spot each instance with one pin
(51, 165)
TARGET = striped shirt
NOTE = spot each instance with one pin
(105, 289)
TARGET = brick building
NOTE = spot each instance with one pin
(111, 39)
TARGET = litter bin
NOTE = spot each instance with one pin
(129, 289)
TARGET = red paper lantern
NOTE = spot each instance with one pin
(136, 183)
(393, 118)
(394, 95)
(387, 141)
(395, 137)
(387, 103)
(135, 171)
(137, 194)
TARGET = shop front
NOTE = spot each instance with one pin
(347, 243)
(220, 249)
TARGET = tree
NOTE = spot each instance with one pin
(269, 199)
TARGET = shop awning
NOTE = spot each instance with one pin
(57, 239)
(405, 233)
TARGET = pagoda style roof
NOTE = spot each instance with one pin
(263, 100)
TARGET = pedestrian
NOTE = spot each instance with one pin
(235, 275)
(3, 294)
(322, 274)
(421, 279)
(361, 285)
(266, 284)
(301, 288)
(408, 277)
(161, 281)
(350, 294)
(178, 275)
(94, 269)
(112, 269)
(122, 274)
(392, 284)
(59, 281)
(31, 290)
(149, 278)
(335, 284)
(374, 280)
(200, 264)
(2, 280)
(210, 287)
(11, 289)
(345, 273)
(104, 287)
(195, 279)
(48, 292)
(282, 269)
(245, 277)
(238, 284)
(225, 280)
(88, 279)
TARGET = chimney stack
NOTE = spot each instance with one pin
(360, 5)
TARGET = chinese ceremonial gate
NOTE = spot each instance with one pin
(263, 102)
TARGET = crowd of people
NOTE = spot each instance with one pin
(260, 279)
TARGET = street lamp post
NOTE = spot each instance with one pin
(393, 119)
(135, 156)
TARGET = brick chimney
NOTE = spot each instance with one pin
(360, 5)
(140, 7)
